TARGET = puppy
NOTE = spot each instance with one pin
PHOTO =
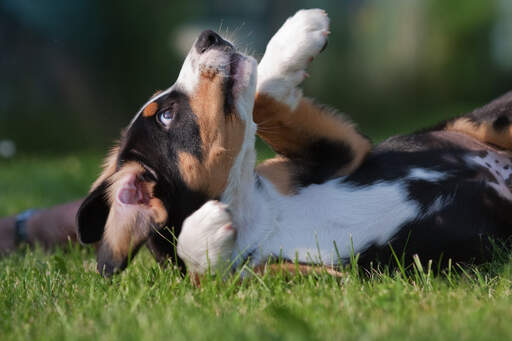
(185, 167)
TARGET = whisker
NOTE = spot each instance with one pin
(220, 26)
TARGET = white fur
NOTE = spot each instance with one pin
(306, 226)
(426, 174)
(211, 248)
(204, 241)
(296, 43)
(212, 59)
(321, 224)
(325, 223)
(241, 173)
(496, 165)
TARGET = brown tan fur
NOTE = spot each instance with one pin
(128, 225)
(279, 172)
(109, 167)
(221, 136)
(289, 131)
(150, 109)
(483, 131)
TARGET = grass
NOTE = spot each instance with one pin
(60, 296)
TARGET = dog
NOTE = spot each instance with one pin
(186, 167)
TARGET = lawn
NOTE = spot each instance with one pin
(60, 295)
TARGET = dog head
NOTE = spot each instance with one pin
(177, 153)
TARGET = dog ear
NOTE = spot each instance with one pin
(92, 215)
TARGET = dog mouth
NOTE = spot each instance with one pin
(234, 62)
(238, 80)
(231, 83)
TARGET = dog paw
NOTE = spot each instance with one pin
(207, 239)
(300, 39)
(289, 52)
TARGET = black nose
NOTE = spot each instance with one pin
(209, 39)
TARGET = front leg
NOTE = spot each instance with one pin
(315, 143)
(207, 239)
(288, 54)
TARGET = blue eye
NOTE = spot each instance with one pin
(166, 117)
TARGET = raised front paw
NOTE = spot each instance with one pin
(300, 39)
(207, 238)
(289, 52)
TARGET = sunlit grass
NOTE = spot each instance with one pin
(59, 296)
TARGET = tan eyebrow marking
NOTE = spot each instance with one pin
(150, 109)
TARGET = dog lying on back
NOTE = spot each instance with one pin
(187, 162)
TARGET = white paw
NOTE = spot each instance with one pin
(289, 52)
(207, 238)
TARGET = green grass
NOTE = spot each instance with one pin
(59, 296)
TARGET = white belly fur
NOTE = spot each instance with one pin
(329, 222)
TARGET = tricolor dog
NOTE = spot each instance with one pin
(187, 162)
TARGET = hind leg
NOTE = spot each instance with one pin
(314, 143)
(491, 124)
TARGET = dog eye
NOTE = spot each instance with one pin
(165, 117)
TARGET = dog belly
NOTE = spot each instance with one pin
(328, 223)
(435, 204)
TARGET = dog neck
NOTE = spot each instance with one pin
(239, 192)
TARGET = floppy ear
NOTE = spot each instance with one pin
(92, 215)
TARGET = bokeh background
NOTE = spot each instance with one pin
(73, 73)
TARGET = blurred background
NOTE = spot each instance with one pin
(73, 73)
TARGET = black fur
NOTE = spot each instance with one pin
(229, 99)
(472, 214)
(155, 147)
(208, 39)
(476, 218)
(498, 113)
(92, 215)
(501, 123)
(320, 161)
(462, 229)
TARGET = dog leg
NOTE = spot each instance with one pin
(491, 124)
(283, 67)
(315, 144)
(207, 239)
